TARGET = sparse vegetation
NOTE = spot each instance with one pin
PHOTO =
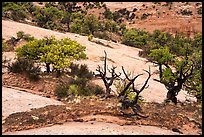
(14, 11)
(90, 37)
(27, 67)
(22, 35)
(133, 103)
(135, 38)
(186, 12)
(4, 45)
(145, 15)
(173, 81)
(199, 10)
(59, 53)
(178, 57)
(79, 84)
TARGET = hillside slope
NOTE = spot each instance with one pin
(163, 17)
(118, 55)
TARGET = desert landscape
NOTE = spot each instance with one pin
(32, 107)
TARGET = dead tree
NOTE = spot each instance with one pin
(126, 103)
(108, 81)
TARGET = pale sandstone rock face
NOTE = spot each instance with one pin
(17, 101)
(119, 55)
(94, 128)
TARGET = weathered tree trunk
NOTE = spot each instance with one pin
(58, 74)
(108, 90)
(108, 81)
(48, 67)
(68, 28)
(173, 92)
(182, 74)
(171, 96)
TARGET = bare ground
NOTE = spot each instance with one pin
(162, 17)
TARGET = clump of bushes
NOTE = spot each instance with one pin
(22, 35)
(199, 10)
(145, 15)
(78, 87)
(186, 12)
(14, 11)
(102, 35)
(80, 71)
(11, 43)
(121, 84)
(25, 66)
(80, 84)
(61, 90)
(135, 38)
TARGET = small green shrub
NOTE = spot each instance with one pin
(120, 85)
(61, 90)
(80, 71)
(92, 89)
(25, 66)
(4, 45)
(77, 88)
(83, 87)
(199, 10)
(186, 12)
(74, 89)
(79, 84)
(28, 37)
(20, 34)
(145, 15)
(90, 37)
(101, 35)
(108, 14)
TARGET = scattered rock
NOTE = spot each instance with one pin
(48, 96)
(93, 119)
(177, 130)
(78, 120)
(35, 118)
(68, 108)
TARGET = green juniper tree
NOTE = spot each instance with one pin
(173, 80)
(59, 53)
